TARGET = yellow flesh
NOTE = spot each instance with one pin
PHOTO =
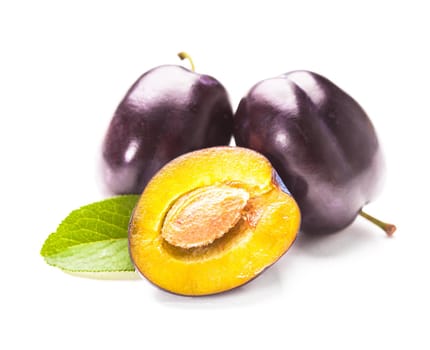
(262, 234)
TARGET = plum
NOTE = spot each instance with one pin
(212, 220)
(169, 110)
(321, 142)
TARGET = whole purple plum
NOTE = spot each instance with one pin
(168, 111)
(321, 142)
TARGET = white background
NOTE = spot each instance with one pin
(64, 68)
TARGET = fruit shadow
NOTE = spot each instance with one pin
(107, 276)
(356, 237)
(264, 286)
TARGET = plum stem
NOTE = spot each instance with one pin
(388, 228)
(183, 55)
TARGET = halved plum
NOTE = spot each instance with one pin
(212, 220)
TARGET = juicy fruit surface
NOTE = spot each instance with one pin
(168, 111)
(236, 178)
(320, 141)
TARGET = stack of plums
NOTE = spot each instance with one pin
(212, 217)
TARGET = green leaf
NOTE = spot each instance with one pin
(93, 238)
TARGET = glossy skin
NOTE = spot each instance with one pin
(321, 142)
(169, 111)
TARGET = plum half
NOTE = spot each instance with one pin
(170, 110)
(212, 220)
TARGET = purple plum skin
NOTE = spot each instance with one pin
(168, 111)
(321, 142)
